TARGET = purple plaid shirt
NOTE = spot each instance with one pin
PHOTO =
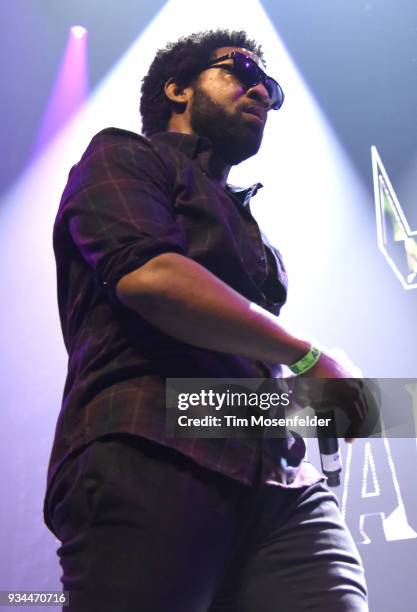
(126, 201)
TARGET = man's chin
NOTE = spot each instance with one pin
(244, 148)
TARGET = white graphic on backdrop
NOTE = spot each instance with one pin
(370, 484)
(371, 494)
(396, 240)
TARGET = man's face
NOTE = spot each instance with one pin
(231, 116)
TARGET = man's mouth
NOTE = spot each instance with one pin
(255, 111)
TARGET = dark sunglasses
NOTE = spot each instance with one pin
(249, 74)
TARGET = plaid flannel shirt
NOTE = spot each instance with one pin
(128, 200)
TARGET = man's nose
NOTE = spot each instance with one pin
(259, 93)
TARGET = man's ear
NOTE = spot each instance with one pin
(175, 93)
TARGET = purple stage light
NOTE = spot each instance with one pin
(78, 31)
(69, 91)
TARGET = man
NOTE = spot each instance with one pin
(162, 272)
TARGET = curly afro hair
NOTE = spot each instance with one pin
(182, 60)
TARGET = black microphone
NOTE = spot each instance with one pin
(331, 462)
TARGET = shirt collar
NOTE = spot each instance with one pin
(244, 194)
(199, 148)
(190, 144)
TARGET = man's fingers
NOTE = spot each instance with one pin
(360, 408)
(352, 432)
(355, 400)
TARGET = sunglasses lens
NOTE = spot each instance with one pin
(246, 70)
(250, 74)
(275, 92)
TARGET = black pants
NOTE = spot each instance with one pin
(145, 529)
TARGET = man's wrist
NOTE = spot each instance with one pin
(306, 362)
(291, 348)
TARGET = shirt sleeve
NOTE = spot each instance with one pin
(118, 208)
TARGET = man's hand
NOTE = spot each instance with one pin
(334, 363)
(336, 384)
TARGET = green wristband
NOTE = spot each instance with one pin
(307, 362)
